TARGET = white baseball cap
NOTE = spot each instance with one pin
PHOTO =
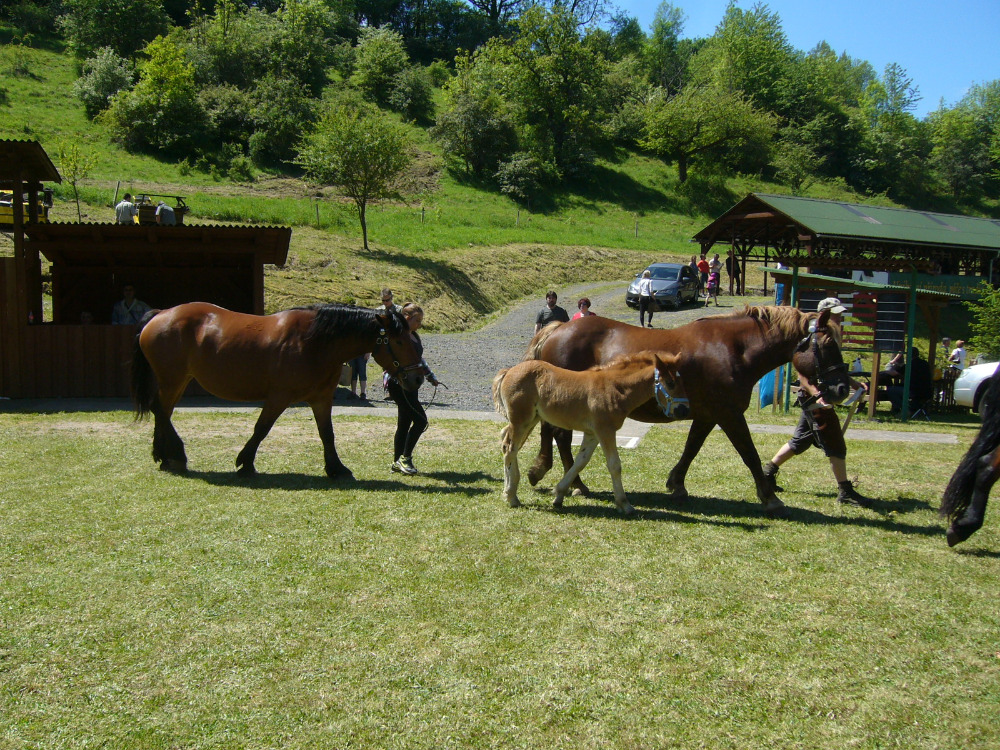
(834, 305)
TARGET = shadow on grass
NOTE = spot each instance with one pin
(451, 482)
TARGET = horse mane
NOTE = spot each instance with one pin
(539, 339)
(334, 320)
(786, 320)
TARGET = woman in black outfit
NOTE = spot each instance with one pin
(411, 420)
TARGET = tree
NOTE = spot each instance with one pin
(554, 84)
(755, 54)
(162, 112)
(986, 326)
(700, 120)
(126, 26)
(104, 75)
(360, 150)
(379, 57)
(74, 165)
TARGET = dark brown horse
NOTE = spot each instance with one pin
(280, 359)
(964, 502)
(725, 356)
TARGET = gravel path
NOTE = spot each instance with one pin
(467, 362)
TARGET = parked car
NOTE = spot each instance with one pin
(673, 285)
(971, 384)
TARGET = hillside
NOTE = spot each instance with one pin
(462, 250)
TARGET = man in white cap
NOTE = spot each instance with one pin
(820, 426)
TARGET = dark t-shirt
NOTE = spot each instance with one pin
(550, 314)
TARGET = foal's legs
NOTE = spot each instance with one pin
(512, 438)
(268, 415)
(972, 520)
(324, 423)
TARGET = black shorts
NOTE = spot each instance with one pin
(820, 427)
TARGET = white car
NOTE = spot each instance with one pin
(971, 384)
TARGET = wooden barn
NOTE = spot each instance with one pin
(76, 352)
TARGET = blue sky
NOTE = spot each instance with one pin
(945, 47)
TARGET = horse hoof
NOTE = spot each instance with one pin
(557, 503)
(246, 471)
(627, 510)
(513, 502)
(776, 509)
(535, 475)
(342, 473)
(957, 534)
(174, 466)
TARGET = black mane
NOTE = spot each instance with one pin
(334, 320)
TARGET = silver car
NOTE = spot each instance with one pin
(673, 285)
(971, 384)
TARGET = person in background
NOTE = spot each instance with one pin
(359, 376)
(819, 425)
(387, 303)
(165, 215)
(411, 419)
(128, 310)
(125, 211)
(646, 298)
(703, 270)
(551, 312)
(733, 271)
(583, 308)
(712, 290)
(958, 356)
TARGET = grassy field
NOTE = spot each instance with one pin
(145, 610)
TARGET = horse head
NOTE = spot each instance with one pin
(818, 359)
(395, 352)
(668, 387)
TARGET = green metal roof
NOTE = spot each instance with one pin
(838, 219)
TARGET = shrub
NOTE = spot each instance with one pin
(412, 94)
(525, 176)
(104, 75)
(379, 57)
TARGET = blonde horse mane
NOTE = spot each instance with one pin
(539, 339)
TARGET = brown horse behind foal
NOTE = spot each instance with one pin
(595, 402)
(280, 359)
(725, 355)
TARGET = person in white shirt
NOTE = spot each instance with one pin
(645, 298)
(125, 211)
(957, 356)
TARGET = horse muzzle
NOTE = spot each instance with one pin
(835, 393)
(410, 380)
(671, 406)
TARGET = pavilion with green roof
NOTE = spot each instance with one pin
(834, 235)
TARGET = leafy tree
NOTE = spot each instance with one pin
(499, 13)
(75, 165)
(32, 16)
(754, 54)
(162, 112)
(700, 121)
(104, 75)
(281, 111)
(412, 94)
(362, 151)
(379, 57)
(555, 85)
(299, 47)
(663, 54)
(474, 126)
(961, 150)
(524, 177)
(986, 325)
(126, 26)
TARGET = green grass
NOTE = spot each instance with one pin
(145, 610)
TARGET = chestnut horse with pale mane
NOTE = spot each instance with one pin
(725, 356)
(595, 402)
(280, 359)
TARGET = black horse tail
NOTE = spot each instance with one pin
(145, 394)
(958, 493)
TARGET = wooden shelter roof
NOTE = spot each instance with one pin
(115, 244)
(25, 161)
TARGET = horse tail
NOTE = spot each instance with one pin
(539, 339)
(145, 393)
(498, 402)
(958, 493)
